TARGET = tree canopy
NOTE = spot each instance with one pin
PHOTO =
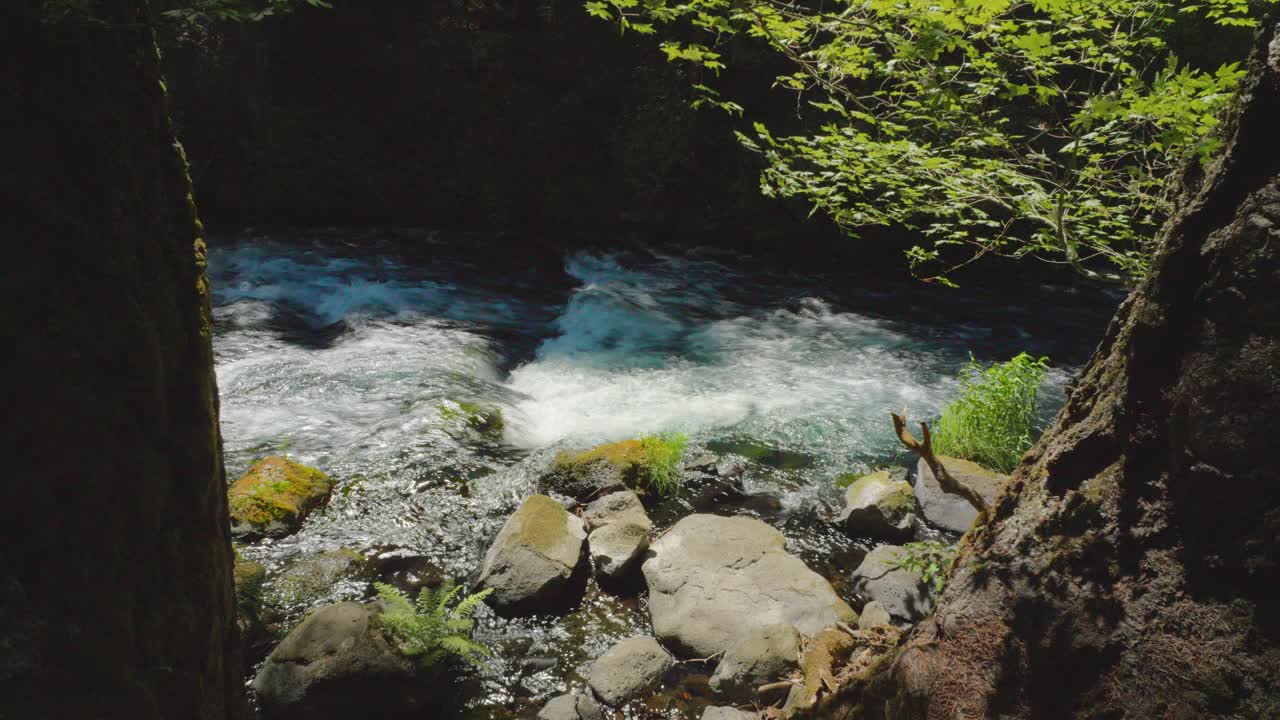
(1025, 128)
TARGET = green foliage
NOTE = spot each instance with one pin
(660, 470)
(1024, 128)
(436, 626)
(992, 421)
(930, 559)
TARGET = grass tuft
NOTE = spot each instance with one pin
(993, 420)
(660, 470)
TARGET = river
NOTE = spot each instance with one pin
(346, 348)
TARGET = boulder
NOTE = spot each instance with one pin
(902, 593)
(338, 663)
(618, 507)
(616, 548)
(628, 668)
(275, 496)
(535, 561)
(588, 708)
(590, 473)
(713, 580)
(721, 712)
(953, 512)
(561, 707)
(873, 615)
(879, 507)
(762, 656)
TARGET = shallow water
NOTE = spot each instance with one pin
(345, 349)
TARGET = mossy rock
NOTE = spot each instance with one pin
(537, 559)
(585, 474)
(880, 507)
(484, 419)
(250, 576)
(275, 496)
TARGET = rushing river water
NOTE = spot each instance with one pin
(346, 350)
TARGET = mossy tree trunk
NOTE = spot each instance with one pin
(1129, 570)
(116, 599)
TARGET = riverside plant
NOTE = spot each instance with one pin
(437, 626)
(929, 558)
(993, 419)
(661, 468)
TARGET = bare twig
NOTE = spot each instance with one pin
(925, 450)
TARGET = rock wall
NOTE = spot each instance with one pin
(1129, 569)
(116, 598)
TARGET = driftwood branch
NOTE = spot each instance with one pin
(925, 450)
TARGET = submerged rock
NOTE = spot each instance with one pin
(616, 548)
(713, 580)
(762, 656)
(953, 512)
(628, 668)
(484, 419)
(309, 579)
(902, 593)
(275, 496)
(536, 561)
(590, 473)
(336, 664)
(618, 507)
(880, 507)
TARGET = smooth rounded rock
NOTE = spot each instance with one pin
(535, 561)
(953, 512)
(721, 712)
(618, 507)
(760, 657)
(616, 548)
(628, 668)
(562, 707)
(902, 593)
(873, 615)
(713, 580)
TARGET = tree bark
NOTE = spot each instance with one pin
(116, 598)
(1129, 569)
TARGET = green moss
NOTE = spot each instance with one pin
(627, 454)
(542, 523)
(277, 490)
(848, 479)
(485, 419)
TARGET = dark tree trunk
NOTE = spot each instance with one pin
(116, 598)
(1129, 570)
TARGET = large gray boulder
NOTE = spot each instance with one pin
(616, 549)
(619, 507)
(762, 656)
(713, 580)
(535, 561)
(337, 661)
(877, 506)
(902, 593)
(628, 668)
(953, 512)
